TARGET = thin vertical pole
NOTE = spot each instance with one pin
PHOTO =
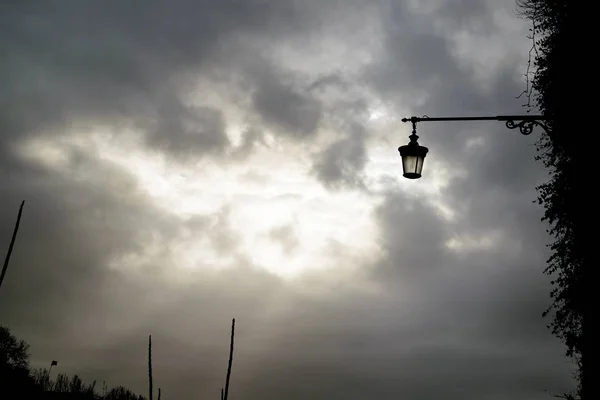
(12, 243)
(230, 360)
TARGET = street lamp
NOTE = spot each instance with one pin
(413, 154)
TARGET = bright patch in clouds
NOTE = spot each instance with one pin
(276, 214)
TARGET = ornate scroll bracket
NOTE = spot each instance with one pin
(526, 126)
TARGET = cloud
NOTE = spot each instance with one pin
(290, 110)
(186, 131)
(187, 162)
(285, 235)
(342, 162)
(113, 62)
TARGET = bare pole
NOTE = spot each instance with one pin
(226, 393)
(12, 243)
(150, 367)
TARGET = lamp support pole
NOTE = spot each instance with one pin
(525, 123)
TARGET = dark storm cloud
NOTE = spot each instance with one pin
(287, 108)
(442, 323)
(413, 52)
(341, 164)
(112, 60)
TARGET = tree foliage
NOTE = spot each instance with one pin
(13, 352)
(561, 195)
(122, 393)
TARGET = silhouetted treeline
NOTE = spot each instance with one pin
(18, 381)
(566, 195)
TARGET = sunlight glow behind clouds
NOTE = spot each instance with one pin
(286, 196)
(271, 191)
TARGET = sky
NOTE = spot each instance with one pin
(188, 162)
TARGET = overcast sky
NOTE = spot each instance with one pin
(186, 162)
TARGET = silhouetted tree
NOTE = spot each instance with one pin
(563, 195)
(14, 365)
(76, 385)
(42, 379)
(16, 378)
(13, 352)
(122, 393)
(61, 384)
